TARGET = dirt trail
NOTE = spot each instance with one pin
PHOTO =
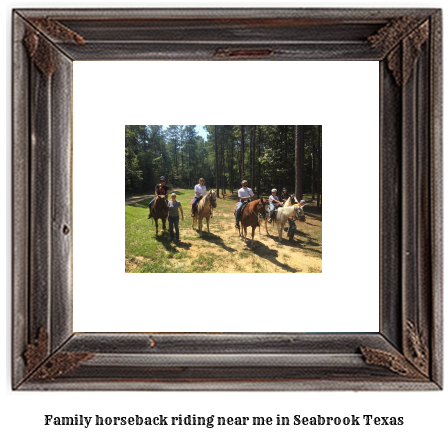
(223, 251)
(135, 199)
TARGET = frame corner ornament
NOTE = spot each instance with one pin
(40, 49)
(395, 362)
(418, 350)
(37, 351)
(41, 366)
(401, 39)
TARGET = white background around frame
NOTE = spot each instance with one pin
(343, 97)
(23, 412)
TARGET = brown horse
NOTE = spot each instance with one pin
(160, 211)
(250, 218)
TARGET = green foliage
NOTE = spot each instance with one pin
(181, 155)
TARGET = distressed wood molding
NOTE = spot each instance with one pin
(243, 53)
(406, 353)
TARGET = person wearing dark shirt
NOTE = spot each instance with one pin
(292, 228)
(160, 189)
(284, 196)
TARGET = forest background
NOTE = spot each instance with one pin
(268, 156)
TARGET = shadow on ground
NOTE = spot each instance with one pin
(164, 239)
(213, 238)
(270, 255)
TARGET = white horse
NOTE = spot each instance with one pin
(204, 210)
(282, 215)
(291, 201)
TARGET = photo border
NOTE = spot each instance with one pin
(406, 353)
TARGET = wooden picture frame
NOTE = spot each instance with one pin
(406, 353)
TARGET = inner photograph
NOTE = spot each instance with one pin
(223, 198)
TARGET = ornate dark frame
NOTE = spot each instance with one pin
(406, 354)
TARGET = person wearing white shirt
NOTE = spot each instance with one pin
(199, 191)
(244, 194)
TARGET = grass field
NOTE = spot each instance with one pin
(221, 250)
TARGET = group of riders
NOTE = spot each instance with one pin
(245, 194)
(162, 189)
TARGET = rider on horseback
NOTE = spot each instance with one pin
(273, 204)
(245, 194)
(160, 189)
(284, 196)
(199, 191)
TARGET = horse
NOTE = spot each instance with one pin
(282, 215)
(291, 201)
(204, 210)
(160, 211)
(250, 217)
(264, 218)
